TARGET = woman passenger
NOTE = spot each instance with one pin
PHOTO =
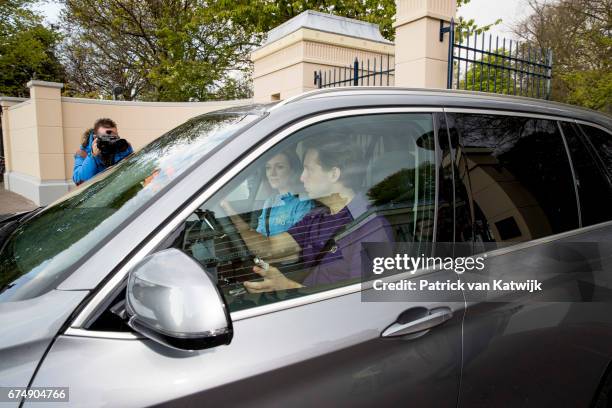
(281, 210)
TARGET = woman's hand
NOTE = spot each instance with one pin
(273, 280)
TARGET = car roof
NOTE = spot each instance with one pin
(362, 96)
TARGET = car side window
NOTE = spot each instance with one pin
(520, 177)
(293, 221)
(592, 180)
(601, 141)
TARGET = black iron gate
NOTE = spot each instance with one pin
(490, 65)
(358, 74)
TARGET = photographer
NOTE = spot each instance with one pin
(101, 148)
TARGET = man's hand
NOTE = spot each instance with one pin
(94, 147)
(273, 280)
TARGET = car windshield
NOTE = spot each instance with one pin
(44, 249)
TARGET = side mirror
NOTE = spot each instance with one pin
(172, 300)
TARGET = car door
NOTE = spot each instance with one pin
(333, 341)
(541, 212)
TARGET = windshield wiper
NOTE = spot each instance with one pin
(10, 223)
(20, 216)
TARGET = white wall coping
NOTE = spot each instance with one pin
(327, 23)
(20, 104)
(334, 39)
(12, 99)
(46, 84)
(234, 102)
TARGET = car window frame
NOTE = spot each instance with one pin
(100, 300)
(87, 314)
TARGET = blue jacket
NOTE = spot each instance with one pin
(86, 165)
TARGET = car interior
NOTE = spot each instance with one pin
(398, 182)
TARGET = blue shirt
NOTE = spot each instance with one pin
(285, 210)
(87, 165)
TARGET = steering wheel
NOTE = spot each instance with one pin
(230, 234)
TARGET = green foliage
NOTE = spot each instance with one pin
(27, 48)
(503, 76)
(492, 78)
(181, 50)
(578, 32)
(400, 186)
(591, 89)
(381, 12)
(184, 50)
(274, 13)
(172, 50)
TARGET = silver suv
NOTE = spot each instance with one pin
(226, 262)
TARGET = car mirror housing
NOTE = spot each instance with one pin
(172, 300)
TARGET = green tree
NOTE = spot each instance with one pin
(27, 48)
(402, 186)
(579, 32)
(269, 14)
(180, 50)
(502, 73)
(488, 78)
(185, 50)
(373, 11)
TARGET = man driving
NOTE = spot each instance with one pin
(321, 240)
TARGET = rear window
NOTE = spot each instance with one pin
(520, 176)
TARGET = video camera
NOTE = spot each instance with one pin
(110, 144)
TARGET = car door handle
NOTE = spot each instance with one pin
(434, 318)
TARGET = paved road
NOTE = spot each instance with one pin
(11, 202)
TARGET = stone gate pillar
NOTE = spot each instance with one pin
(5, 103)
(421, 59)
(36, 145)
(285, 64)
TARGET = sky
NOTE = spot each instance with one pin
(487, 11)
(483, 11)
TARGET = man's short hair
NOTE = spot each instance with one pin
(343, 153)
(104, 122)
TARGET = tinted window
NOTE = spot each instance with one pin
(601, 142)
(594, 188)
(519, 174)
(305, 207)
